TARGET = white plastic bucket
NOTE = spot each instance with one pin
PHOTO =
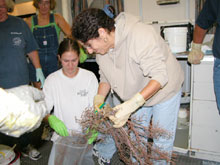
(8, 156)
(176, 38)
(183, 119)
(16, 160)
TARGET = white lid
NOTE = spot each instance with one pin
(175, 29)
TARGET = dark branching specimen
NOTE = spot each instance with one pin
(132, 141)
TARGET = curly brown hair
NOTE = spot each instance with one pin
(86, 24)
(52, 4)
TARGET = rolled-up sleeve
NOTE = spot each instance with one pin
(101, 73)
(208, 15)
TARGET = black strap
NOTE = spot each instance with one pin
(35, 20)
(51, 17)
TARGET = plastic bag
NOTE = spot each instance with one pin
(71, 150)
(22, 110)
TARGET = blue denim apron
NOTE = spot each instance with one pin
(47, 40)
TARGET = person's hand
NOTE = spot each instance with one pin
(196, 55)
(98, 101)
(22, 110)
(125, 109)
(58, 126)
(40, 76)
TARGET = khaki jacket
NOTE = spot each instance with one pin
(139, 55)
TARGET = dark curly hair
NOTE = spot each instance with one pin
(86, 24)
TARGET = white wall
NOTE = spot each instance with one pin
(132, 6)
(183, 11)
(149, 12)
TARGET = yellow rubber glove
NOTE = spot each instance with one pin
(196, 54)
(124, 110)
(98, 101)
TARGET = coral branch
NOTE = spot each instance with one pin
(132, 140)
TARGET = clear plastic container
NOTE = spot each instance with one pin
(71, 150)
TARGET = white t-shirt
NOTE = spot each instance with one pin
(70, 96)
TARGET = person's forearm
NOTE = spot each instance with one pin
(152, 87)
(35, 59)
(199, 34)
(65, 27)
(103, 89)
(67, 31)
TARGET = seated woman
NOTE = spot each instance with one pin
(69, 91)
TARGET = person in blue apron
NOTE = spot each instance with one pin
(47, 39)
(46, 27)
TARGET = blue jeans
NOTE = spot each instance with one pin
(216, 80)
(164, 115)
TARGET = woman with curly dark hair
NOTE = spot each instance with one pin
(136, 64)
